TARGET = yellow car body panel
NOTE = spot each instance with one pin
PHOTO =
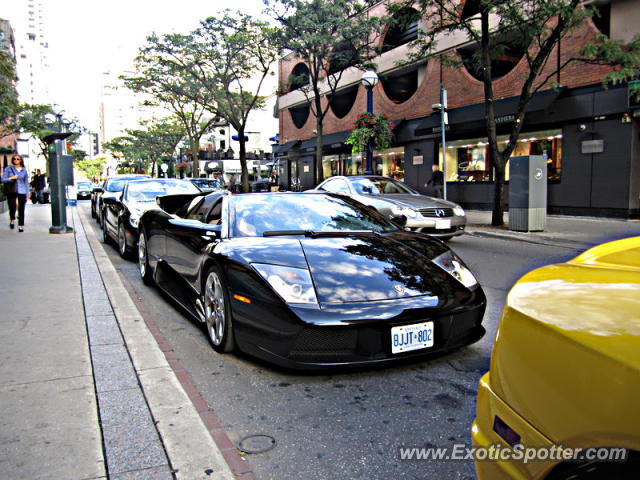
(565, 367)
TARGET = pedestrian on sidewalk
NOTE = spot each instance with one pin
(38, 182)
(437, 180)
(16, 180)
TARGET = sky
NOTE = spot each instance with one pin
(89, 37)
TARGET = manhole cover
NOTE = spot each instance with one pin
(256, 443)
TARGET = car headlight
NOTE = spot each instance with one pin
(134, 217)
(294, 285)
(407, 212)
(454, 266)
(458, 210)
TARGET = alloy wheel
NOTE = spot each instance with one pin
(142, 256)
(122, 241)
(214, 309)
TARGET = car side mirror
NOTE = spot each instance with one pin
(400, 220)
(213, 231)
(367, 190)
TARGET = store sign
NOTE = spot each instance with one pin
(417, 160)
(592, 146)
(505, 119)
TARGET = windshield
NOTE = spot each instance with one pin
(147, 191)
(117, 184)
(84, 185)
(206, 183)
(253, 215)
(379, 186)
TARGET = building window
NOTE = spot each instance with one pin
(342, 102)
(507, 49)
(388, 163)
(402, 30)
(471, 9)
(299, 115)
(400, 86)
(299, 77)
(468, 160)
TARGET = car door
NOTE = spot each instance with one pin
(112, 206)
(187, 238)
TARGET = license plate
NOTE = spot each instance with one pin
(411, 337)
(443, 223)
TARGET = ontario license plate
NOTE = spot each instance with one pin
(411, 337)
(443, 223)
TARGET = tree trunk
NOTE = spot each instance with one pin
(195, 162)
(153, 166)
(497, 216)
(244, 176)
(319, 131)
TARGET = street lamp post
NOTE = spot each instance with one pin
(369, 80)
(444, 121)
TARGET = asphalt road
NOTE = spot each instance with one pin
(350, 425)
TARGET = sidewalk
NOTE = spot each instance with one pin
(563, 231)
(86, 392)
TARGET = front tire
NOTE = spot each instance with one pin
(143, 260)
(217, 312)
(122, 242)
(93, 210)
(106, 239)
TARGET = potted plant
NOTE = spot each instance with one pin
(373, 128)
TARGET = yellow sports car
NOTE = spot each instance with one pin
(565, 373)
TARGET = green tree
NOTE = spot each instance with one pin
(328, 36)
(91, 167)
(8, 94)
(534, 26)
(163, 80)
(40, 121)
(146, 145)
(231, 56)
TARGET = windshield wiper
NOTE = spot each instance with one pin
(314, 234)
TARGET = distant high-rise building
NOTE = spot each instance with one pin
(28, 20)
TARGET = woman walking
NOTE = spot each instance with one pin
(16, 185)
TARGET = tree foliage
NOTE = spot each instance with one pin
(232, 56)
(144, 146)
(329, 37)
(91, 167)
(8, 94)
(159, 76)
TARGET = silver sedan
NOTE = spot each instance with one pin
(390, 197)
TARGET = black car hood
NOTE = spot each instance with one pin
(369, 268)
(356, 268)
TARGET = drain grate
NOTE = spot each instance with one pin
(256, 443)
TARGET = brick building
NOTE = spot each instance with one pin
(589, 134)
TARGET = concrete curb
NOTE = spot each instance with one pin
(548, 241)
(190, 448)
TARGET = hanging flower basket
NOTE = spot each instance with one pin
(370, 127)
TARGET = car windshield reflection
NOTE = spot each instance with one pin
(147, 191)
(380, 186)
(296, 214)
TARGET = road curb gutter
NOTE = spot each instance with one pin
(572, 244)
(191, 449)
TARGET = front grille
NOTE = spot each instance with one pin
(324, 342)
(436, 212)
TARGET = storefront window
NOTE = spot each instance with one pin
(389, 163)
(468, 160)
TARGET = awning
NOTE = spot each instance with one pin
(332, 139)
(284, 148)
(505, 108)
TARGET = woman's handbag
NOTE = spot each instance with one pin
(10, 185)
